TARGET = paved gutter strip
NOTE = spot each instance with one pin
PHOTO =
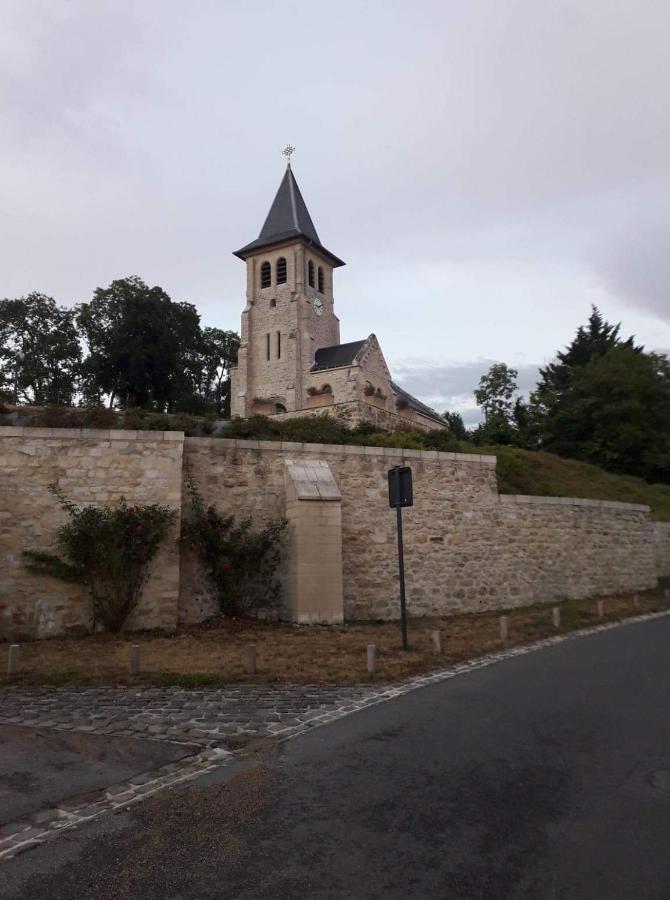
(44, 825)
(302, 709)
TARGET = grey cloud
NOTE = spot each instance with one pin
(67, 68)
(486, 145)
(450, 386)
(636, 266)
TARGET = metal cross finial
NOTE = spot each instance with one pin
(287, 151)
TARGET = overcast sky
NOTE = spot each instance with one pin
(488, 169)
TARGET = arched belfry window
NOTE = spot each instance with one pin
(310, 273)
(320, 280)
(266, 275)
(281, 270)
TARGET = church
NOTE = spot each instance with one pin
(291, 361)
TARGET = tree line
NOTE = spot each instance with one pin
(130, 346)
(604, 400)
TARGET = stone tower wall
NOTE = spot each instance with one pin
(285, 310)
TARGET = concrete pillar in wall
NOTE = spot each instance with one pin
(314, 570)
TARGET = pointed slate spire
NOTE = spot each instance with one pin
(288, 213)
(287, 220)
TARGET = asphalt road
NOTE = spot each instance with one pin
(544, 776)
(40, 766)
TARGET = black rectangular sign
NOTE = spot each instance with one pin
(400, 487)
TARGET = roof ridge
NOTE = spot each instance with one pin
(291, 183)
(418, 404)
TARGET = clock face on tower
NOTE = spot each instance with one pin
(318, 306)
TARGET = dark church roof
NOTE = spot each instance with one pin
(417, 405)
(339, 355)
(287, 220)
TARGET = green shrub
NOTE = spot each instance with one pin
(156, 422)
(132, 419)
(241, 563)
(55, 417)
(325, 429)
(255, 428)
(67, 417)
(512, 469)
(442, 440)
(317, 429)
(101, 417)
(107, 549)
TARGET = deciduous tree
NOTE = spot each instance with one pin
(141, 344)
(40, 354)
(496, 391)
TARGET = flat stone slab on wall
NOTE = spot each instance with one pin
(313, 580)
(90, 466)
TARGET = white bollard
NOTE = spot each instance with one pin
(134, 660)
(601, 608)
(13, 659)
(556, 616)
(250, 659)
(372, 658)
(436, 641)
(504, 628)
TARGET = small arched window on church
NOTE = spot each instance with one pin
(320, 280)
(266, 275)
(310, 273)
(281, 270)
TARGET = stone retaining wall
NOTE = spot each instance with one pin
(662, 544)
(466, 547)
(90, 466)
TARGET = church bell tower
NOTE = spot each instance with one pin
(289, 312)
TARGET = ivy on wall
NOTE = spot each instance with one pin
(241, 562)
(107, 549)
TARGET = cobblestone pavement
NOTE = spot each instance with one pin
(206, 717)
(207, 721)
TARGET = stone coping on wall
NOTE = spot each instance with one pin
(299, 447)
(97, 434)
(527, 499)
(345, 450)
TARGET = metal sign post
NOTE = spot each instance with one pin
(400, 494)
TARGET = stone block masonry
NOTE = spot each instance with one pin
(662, 541)
(313, 578)
(90, 467)
(466, 547)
